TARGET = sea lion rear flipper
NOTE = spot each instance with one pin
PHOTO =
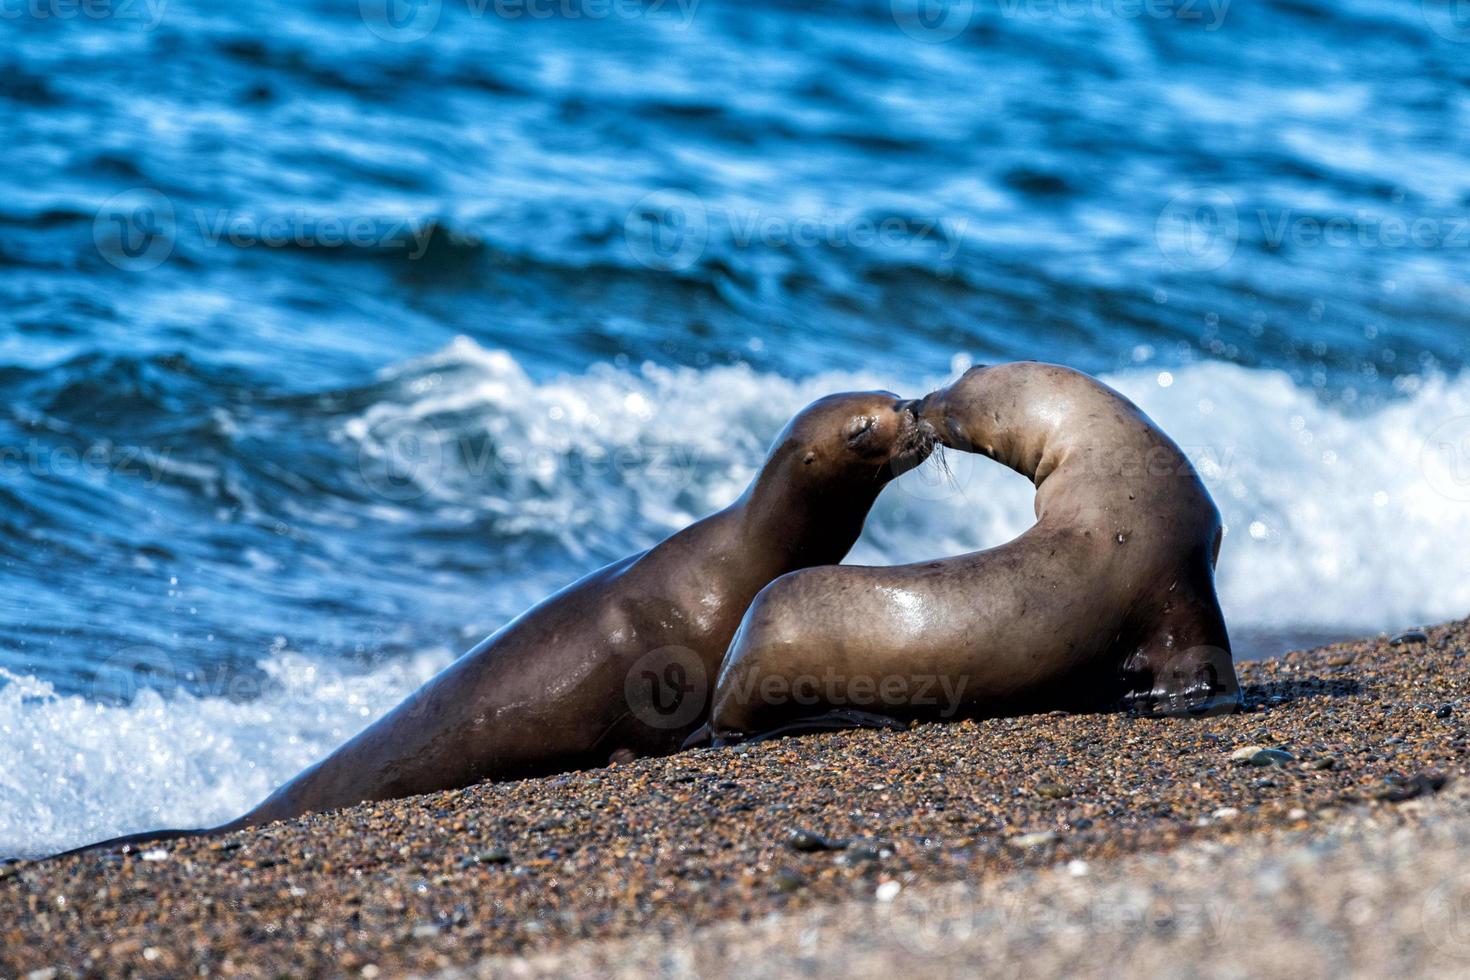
(831, 721)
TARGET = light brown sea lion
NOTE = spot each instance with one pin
(1109, 598)
(621, 663)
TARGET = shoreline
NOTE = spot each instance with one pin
(692, 844)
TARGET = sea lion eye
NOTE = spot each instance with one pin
(859, 429)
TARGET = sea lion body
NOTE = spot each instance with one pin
(1108, 598)
(622, 662)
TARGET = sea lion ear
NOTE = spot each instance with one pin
(810, 457)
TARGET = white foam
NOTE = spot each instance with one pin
(1336, 523)
(77, 771)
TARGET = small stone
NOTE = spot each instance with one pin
(786, 880)
(1444, 711)
(888, 891)
(1421, 784)
(1323, 763)
(1053, 791)
(1226, 813)
(1256, 755)
(1296, 813)
(1039, 838)
(496, 855)
(157, 854)
(49, 973)
(1077, 868)
(808, 841)
(1409, 636)
(864, 851)
(1340, 660)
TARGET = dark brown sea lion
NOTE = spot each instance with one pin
(1109, 598)
(622, 662)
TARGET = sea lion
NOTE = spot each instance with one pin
(621, 663)
(1108, 599)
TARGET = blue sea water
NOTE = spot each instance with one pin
(333, 335)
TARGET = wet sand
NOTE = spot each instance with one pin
(665, 865)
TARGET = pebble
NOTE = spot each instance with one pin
(1409, 636)
(888, 891)
(786, 880)
(495, 855)
(1039, 838)
(656, 844)
(808, 841)
(1256, 755)
(857, 853)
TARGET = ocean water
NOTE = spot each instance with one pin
(334, 335)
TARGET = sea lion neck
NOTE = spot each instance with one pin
(805, 519)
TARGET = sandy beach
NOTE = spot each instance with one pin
(1322, 831)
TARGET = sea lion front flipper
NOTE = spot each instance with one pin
(1184, 667)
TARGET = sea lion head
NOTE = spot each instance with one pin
(866, 435)
(949, 411)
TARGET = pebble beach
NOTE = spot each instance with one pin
(1321, 831)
